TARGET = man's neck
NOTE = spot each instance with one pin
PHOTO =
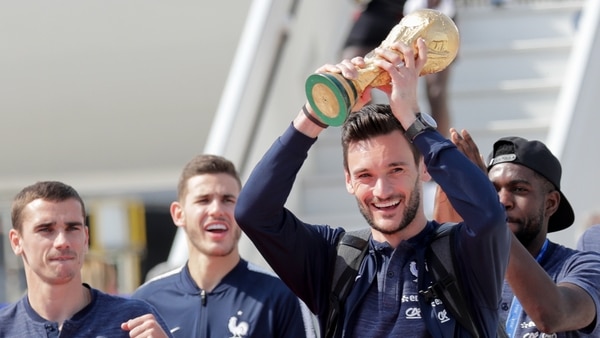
(208, 271)
(58, 303)
(537, 248)
(535, 245)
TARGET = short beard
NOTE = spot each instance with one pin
(530, 228)
(408, 216)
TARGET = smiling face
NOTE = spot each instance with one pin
(385, 179)
(205, 211)
(52, 240)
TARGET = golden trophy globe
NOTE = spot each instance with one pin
(332, 96)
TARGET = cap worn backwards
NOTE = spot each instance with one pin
(537, 157)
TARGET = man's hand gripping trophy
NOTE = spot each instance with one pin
(332, 96)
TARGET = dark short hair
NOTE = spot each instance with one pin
(371, 121)
(53, 191)
(205, 164)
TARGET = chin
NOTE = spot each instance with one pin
(222, 252)
(388, 223)
(387, 228)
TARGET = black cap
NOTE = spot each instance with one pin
(537, 157)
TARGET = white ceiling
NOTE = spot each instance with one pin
(110, 95)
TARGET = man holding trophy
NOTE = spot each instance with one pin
(388, 152)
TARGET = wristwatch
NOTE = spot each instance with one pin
(423, 122)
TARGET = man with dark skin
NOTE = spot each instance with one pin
(556, 289)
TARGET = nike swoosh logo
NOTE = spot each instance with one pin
(175, 329)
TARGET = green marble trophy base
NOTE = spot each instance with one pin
(331, 96)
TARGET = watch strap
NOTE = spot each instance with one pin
(417, 127)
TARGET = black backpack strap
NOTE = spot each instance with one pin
(351, 249)
(441, 260)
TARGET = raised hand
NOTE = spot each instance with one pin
(464, 142)
(403, 66)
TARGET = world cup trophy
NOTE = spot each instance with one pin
(332, 96)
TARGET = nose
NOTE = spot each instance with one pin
(61, 240)
(506, 198)
(382, 188)
(216, 207)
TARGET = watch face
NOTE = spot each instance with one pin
(422, 123)
(429, 120)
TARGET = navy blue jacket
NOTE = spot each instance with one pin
(101, 318)
(303, 254)
(248, 302)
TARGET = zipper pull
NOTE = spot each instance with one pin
(203, 297)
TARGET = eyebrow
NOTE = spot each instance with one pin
(44, 224)
(73, 223)
(227, 195)
(390, 165)
(514, 182)
(54, 223)
(521, 181)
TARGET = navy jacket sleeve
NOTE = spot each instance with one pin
(299, 253)
(484, 238)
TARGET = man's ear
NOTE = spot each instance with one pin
(15, 241)
(552, 202)
(87, 240)
(177, 214)
(425, 177)
(349, 186)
